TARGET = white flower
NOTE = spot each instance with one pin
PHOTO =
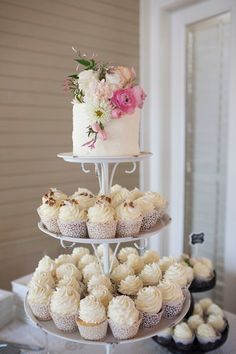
(114, 80)
(86, 77)
(98, 111)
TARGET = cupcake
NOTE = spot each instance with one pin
(129, 219)
(150, 215)
(86, 259)
(149, 303)
(46, 264)
(48, 213)
(151, 274)
(206, 336)
(42, 279)
(72, 282)
(120, 197)
(217, 322)
(121, 272)
(214, 309)
(202, 273)
(164, 336)
(135, 262)
(176, 273)
(124, 318)
(65, 258)
(79, 252)
(130, 285)
(166, 262)
(194, 321)
(136, 193)
(150, 256)
(159, 202)
(99, 279)
(91, 269)
(92, 320)
(64, 308)
(124, 252)
(85, 198)
(197, 310)
(103, 198)
(102, 294)
(39, 300)
(55, 194)
(101, 221)
(68, 269)
(173, 298)
(72, 219)
(183, 336)
(115, 189)
(205, 303)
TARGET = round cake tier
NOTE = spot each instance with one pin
(143, 333)
(68, 157)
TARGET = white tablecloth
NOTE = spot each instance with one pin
(20, 332)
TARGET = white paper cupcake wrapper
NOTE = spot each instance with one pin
(128, 228)
(94, 332)
(65, 323)
(124, 332)
(151, 320)
(149, 220)
(73, 229)
(51, 224)
(172, 310)
(102, 230)
(42, 312)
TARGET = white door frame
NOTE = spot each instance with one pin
(162, 38)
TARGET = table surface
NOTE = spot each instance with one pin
(20, 332)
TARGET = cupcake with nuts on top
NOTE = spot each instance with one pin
(48, 213)
(101, 221)
(150, 215)
(55, 194)
(130, 285)
(151, 274)
(173, 298)
(149, 303)
(129, 219)
(72, 219)
(120, 197)
(124, 319)
(39, 299)
(64, 308)
(85, 198)
(92, 319)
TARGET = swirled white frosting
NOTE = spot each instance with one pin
(101, 213)
(39, 294)
(160, 203)
(182, 330)
(121, 196)
(65, 258)
(135, 262)
(166, 262)
(214, 309)
(130, 285)
(206, 330)
(151, 274)
(136, 193)
(55, 194)
(217, 322)
(121, 272)
(207, 262)
(86, 259)
(122, 310)
(42, 279)
(79, 252)
(171, 292)
(197, 310)
(70, 210)
(99, 279)
(46, 264)
(115, 189)
(85, 199)
(194, 321)
(71, 282)
(149, 299)
(102, 294)
(127, 211)
(150, 256)
(91, 269)
(205, 303)
(124, 252)
(176, 272)
(201, 271)
(65, 301)
(91, 310)
(68, 269)
(47, 210)
(146, 206)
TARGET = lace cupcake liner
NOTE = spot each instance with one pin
(150, 320)
(172, 309)
(92, 331)
(73, 229)
(65, 323)
(51, 224)
(149, 220)
(128, 228)
(41, 311)
(102, 230)
(124, 332)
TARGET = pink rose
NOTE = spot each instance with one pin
(139, 95)
(124, 100)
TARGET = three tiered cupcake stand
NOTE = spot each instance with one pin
(105, 168)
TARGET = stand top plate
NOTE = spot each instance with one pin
(68, 157)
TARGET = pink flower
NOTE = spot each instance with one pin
(139, 95)
(120, 76)
(116, 113)
(102, 134)
(96, 128)
(124, 100)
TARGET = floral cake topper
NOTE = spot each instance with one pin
(108, 91)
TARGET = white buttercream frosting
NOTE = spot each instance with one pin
(79, 252)
(42, 278)
(101, 213)
(65, 258)
(136, 193)
(86, 259)
(183, 331)
(130, 285)
(70, 211)
(39, 294)
(151, 274)
(149, 299)
(91, 310)
(71, 282)
(65, 301)
(91, 269)
(102, 294)
(150, 256)
(146, 206)
(171, 291)
(194, 321)
(46, 264)
(127, 211)
(121, 196)
(124, 252)
(197, 310)
(68, 269)
(122, 310)
(166, 262)
(49, 209)
(160, 202)
(55, 194)
(85, 199)
(121, 272)
(214, 309)
(206, 330)
(115, 189)
(217, 322)
(176, 272)
(135, 262)
(201, 271)
(205, 303)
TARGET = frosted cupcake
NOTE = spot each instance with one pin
(120, 197)
(79, 252)
(135, 262)
(205, 303)
(164, 336)
(91, 269)
(85, 198)
(72, 282)
(136, 193)
(176, 273)
(165, 263)
(121, 272)
(206, 336)
(72, 219)
(92, 320)
(130, 285)
(159, 202)
(103, 198)
(194, 321)
(48, 213)
(124, 252)
(151, 274)
(46, 264)
(202, 273)
(173, 298)
(115, 189)
(150, 215)
(183, 336)
(214, 309)
(217, 322)
(68, 269)
(101, 221)
(55, 194)
(64, 308)
(150, 256)
(197, 310)
(102, 294)
(42, 279)
(124, 318)
(129, 219)
(39, 300)
(85, 260)
(149, 303)
(64, 258)
(99, 279)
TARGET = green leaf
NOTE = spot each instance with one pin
(83, 62)
(101, 125)
(74, 76)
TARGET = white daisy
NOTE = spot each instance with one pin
(98, 111)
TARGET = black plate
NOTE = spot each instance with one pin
(198, 287)
(195, 347)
